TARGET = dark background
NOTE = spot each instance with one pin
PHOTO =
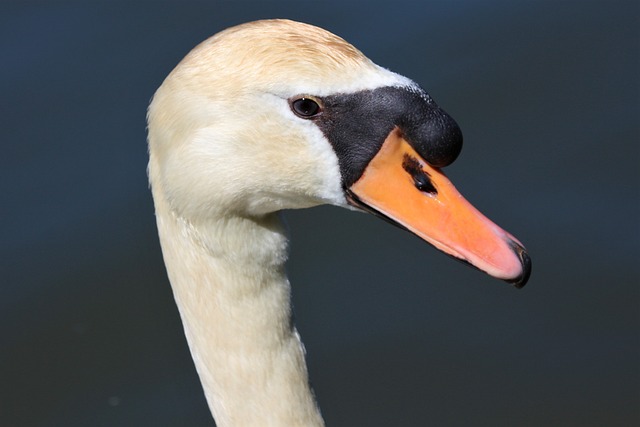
(547, 94)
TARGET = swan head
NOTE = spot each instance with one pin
(277, 114)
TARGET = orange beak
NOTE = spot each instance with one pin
(400, 186)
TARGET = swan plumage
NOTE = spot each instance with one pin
(230, 147)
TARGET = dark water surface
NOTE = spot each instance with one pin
(397, 334)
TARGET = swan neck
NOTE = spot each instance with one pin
(229, 283)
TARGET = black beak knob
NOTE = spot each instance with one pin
(432, 132)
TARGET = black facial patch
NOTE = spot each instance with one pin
(421, 179)
(356, 124)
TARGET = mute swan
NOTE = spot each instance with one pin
(274, 115)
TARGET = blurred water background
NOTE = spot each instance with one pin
(548, 96)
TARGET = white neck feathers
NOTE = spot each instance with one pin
(234, 299)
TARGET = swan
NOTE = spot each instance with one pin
(274, 115)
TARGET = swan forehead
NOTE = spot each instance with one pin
(284, 58)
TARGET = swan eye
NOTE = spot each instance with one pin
(305, 107)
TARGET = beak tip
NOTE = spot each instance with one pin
(525, 261)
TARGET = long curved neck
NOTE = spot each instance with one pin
(229, 283)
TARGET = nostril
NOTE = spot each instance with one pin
(421, 179)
